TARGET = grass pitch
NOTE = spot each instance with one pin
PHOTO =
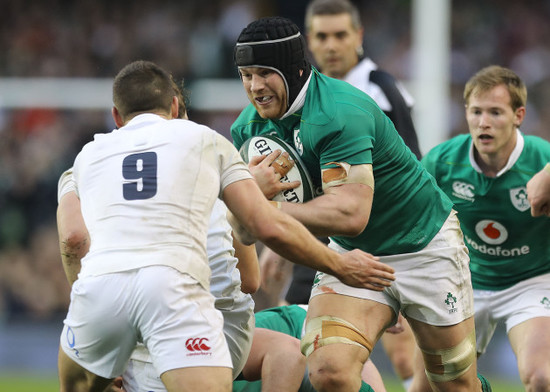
(22, 382)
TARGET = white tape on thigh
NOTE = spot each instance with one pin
(325, 330)
(449, 364)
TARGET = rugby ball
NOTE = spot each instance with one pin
(265, 145)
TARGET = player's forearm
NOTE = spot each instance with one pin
(72, 253)
(74, 240)
(248, 266)
(294, 242)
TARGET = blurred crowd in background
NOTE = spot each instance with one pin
(194, 39)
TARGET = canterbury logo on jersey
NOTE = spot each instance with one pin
(463, 190)
(197, 346)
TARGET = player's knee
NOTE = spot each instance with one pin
(325, 373)
(449, 364)
(329, 378)
(326, 330)
(291, 353)
(535, 378)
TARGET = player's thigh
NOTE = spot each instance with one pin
(371, 318)
(211, 379)
(372, 376)
(141, 376)
(448, 354)
(402, 342)
(73, 377)
(400, 348)
(238, 328)
(430, 337)
(334, 353)
(530, 341)
(270, 343)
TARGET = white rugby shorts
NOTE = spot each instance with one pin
(432, 286)
(238, 328)
(523, 301)
(170, 312)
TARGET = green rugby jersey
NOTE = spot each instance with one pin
(506, 244)
(340, 123)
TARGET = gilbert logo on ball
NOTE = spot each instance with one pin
(265, 145)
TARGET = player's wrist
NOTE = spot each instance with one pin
(547, 168)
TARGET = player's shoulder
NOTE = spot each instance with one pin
(535, 153)
(536, 143)
(332, 101)
(184, 127)
(453, 148)
(249, 115)
(248, 123)
(341, 91)
(97, 142)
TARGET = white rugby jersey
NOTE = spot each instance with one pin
(225, 282)
(147, 192)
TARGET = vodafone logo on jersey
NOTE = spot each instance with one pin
(491, 232)
(197, 346)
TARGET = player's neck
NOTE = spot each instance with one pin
(491, 164)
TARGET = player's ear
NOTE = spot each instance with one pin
(119, 122)
(519, 116)
(174, 107)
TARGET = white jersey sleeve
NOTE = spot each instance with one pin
(66, 184)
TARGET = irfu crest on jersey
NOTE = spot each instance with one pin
(518, 197)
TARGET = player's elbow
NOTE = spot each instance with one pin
(355, 226)
(250, 285)
(75, 240)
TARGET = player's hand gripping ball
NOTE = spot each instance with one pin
(265, 145)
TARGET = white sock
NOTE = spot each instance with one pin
(407, 383)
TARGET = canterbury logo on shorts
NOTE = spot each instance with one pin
(197, 346)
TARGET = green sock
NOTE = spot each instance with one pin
(485, 386)
(365, 387)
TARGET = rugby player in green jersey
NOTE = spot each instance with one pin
(376, 196)
(485, 174)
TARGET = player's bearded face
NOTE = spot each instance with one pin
(266, 90)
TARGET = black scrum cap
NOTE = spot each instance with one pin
(275, 43)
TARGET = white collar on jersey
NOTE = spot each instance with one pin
(514, 156)
(143, 118)
(359, 74)
(300, 99)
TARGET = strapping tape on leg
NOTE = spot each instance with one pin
(325, 330)
(449, 364)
